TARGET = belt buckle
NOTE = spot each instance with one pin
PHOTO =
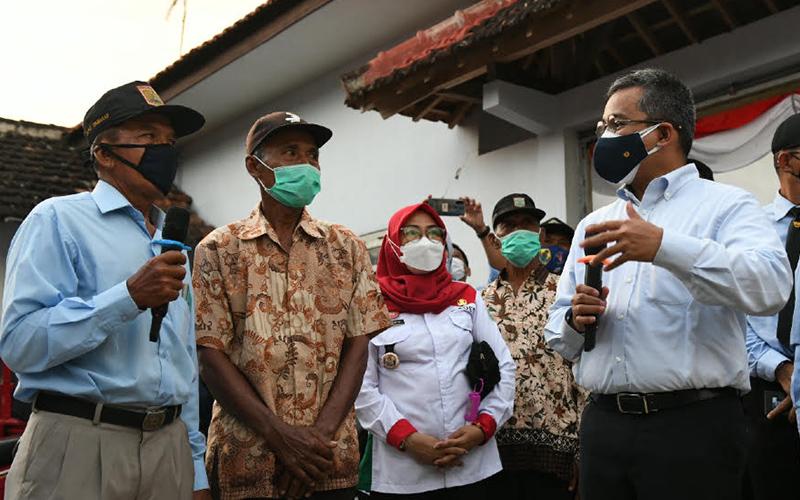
(154, 420)
(632, 396)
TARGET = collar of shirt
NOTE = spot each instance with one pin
(661, 187)
(779, 208)
(530, 282)
(108, 198)
(257, 225)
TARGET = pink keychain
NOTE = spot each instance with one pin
(474, 403)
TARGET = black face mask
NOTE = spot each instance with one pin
(158, 165)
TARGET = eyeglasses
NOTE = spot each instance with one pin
(412, 233)
(614, 124)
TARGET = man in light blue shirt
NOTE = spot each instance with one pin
(689, 258)
(115, 415)
(774, 445)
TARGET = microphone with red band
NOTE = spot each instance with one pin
(594, 279)
(176, 226)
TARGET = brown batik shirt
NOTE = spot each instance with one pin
(542, 434)
(281, 319)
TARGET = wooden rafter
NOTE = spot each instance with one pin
(538, 33)
(460, 114)
(616, 55)
(428, 107)
(669, 21)
(725, 13)
(455, 96)
(644, 34)
(680, 20)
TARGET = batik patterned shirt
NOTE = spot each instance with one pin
(281, 318)
(543, 432)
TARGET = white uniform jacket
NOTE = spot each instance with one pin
(430, 389)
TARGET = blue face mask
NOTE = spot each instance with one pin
(520, 247)
(553, 258)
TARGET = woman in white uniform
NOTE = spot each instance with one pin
(433, 437)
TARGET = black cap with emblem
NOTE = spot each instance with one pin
(517, 202)
(279, 120)
(131, 100)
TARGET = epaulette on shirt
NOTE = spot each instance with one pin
(467, 299)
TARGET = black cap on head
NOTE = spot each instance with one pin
(269, 124)
(512, 203)
(133, 99)
(554, 225)
(788, 134)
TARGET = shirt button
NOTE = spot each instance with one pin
(629, 280)
(620, 316)
(619, 360)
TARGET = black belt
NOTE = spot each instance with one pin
(151, 419)
(636, 403)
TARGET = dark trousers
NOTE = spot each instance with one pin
(696, 451)
(773, 448)
(475, 491)
(529, 484)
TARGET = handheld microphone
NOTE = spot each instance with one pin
(176, 226)
(594, 279)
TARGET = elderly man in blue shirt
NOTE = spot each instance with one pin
(774, 445)
(688, 259)
(114, 414)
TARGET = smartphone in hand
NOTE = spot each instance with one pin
(447, 206)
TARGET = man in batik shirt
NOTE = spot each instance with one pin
(285, 304)
(539, 444)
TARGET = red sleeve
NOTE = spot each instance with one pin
(400, 431)
(487, 424)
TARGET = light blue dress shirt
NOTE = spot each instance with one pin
(678, 322)
(69, 324)
(794, 340)
(764, 350)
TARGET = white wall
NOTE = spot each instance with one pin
(759, 178)
(373, 166)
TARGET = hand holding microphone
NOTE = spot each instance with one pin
(160, 280)
(588, 303)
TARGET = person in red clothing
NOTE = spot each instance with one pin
(431, 440)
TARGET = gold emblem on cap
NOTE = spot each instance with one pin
(626, 154)
(796, 224)
(461, 302)
(390, 360)
(519, 202)
(150, 96)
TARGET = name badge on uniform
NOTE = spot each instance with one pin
(390, 360)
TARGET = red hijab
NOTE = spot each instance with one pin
(416, 293)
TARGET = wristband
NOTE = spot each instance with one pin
(483, 232)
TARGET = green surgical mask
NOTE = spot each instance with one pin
(295, 185)
(520, 247)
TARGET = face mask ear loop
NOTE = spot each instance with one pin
(259, 160)
(647, 131)
(265, 166)
(107, 149)
(394, 247)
